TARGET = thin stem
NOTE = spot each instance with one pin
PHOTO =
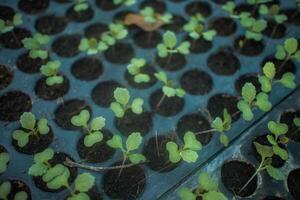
(206, 131)
(160, 101)
(156, 142)
(169, 60)
(283, 63)
(123, 162)
(271, 36)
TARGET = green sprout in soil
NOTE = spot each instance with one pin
(6, 26)
(222, 126)
(92, 130)
(55, 176)
(133, 142)
(30, 127)
(135, 67)
(267, 79)
(121, 103)
(229, 7)
(151, 17)
(35, 45)
(125, 2)
(207, 189)
(196, 28)
(288, 51)
(5, 190)
(83, 183)
(171, 46)
(272, 13)
(188, 151)
(251, 99)
(4, 159)
(51, 71)
(254, 27)
(80, 5)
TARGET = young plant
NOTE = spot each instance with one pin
(125, 2)
(288, 51)
(188, 151)
(92, 130)
(133, 142)
(267, 79)
(222, 126)
(5, 190)
(171, 46)
(30, 127)
(272, 13)
(4, 159)
(251, 99)
(6, 26)
(296, 121)
(121, 103)
(135, 67)
(151, 17)
(83, 183)
(55, 176)
(207, 189)
(196, 28)
(35, 45)
(254, 27)
(51, 71)
(80, 5)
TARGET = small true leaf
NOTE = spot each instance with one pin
(84, 182)
(137, 158)
(263, 150)
(133, 141)
(122, 95)
(275, 173)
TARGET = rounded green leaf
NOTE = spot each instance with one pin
(117, 109)
(53, 172)
(84, 182)
(275, 173)
(98, 123)
(288, 80)
(218, 124)
(262, 102)
(224, 139)
(189, 156)
(248, 92)
(54, 80)
(21, 196)
(269, 70)
(206, 182)
(162, 50)
(37, 169)
(191, 142)
(122, 95)
(136, 158)
(266, 84)
(133, 141)
(297, 121)
(141, 78)
(263, 150)
(170, 39)
(184, 48)
(186, 194)
(27, 120)
(93, 138)
(4, 159)
(214, 195)
(21, 137)
(169, 91)
(179, 92)
(59, 181)
(280, 52)
(81, 119)
(282, 153)
(5, 189)
(44, 156)
(277, 128)
(43, 127)
(174, 155)
(161, 76)
(115, 142)
(137, 106)
(291, 45)
(244, 107)
(79, 196)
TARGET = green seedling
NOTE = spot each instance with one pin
(251, 99)
(6, 26)
(188, 151)
(171, 46)
(272, 13)
(222, 126)
(6, 189)
(254, 27)
(4, 159)
(83, 183)
(51, 71)
(55, 176)
(277, 137)
(267, 79)
(288, 51)
(125, 2)
(30, 127)
(133, 142)
(151, 17)
(196, 28)
(135, 67)
(229, 7)
(207, 189)
(121, 103)
(80, 5)
(296, 121)
(35, 45)
(92, 130)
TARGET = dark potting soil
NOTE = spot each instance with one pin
(262, 139)
(6, 13)
(293, 182)
(66, 110)
(58, 158)
(120, 53)
(157, 5)
(274, 30)
(176, 24)
(224, 26)
(56, 91)
(172, 62)
(196, 123)
(95, 30)
(18, 186)
(217, 103)
(147, 40)
(132, 122)
(248, 47)
(82, 16)
(149, 70)
(198, 7)
(67, 45)
(293, 16)
(29, 65)
(169, 106)
(157, 155)
(272, 198)
(281, 66)
(200, 45)
(127, 185)
(13, 39)
(235, 174)
(99, 152)
(247, 78)
(196, 82)
(220, 1)
(87, 68)
(103, 93)
(33, 6)
(35, 144)
(106, 5)
(13, 104)
(287, 117)
(223, 62)
(6, 76)
(63, 1)
(51, 24)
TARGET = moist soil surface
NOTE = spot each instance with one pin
(6, 76)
